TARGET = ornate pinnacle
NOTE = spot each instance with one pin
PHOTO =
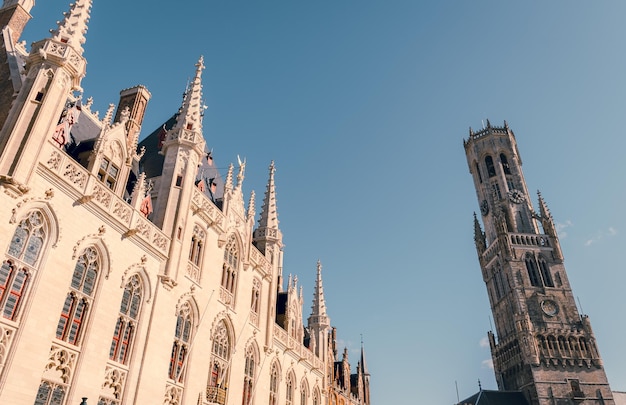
(251, 207)
(228, 185)
(191, 110)
(74, 26)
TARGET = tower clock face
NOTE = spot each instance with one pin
(484, 207)
(516, 196)
(549, 307)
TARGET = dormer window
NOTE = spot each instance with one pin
(108, 173)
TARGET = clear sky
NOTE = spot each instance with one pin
(364, 105)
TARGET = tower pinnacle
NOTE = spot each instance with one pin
(74, 26)
(268, 222)
(191, 111)
(319, 304)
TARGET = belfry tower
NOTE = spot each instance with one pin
(542, 346)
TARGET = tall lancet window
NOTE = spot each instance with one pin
(505, 164)
(491, 169)
(249, 372)
(78, 302)
(274, 379)
(23, 257)
(289, 389)
(545, 273)
(304, 392)
(533, 274)
(126, 325)
(220, 362)
(229, 271)
(182, 341)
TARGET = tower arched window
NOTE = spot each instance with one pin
(533, 274)
(491, 169)
(126, 325)
(545, 273)
(274, 379)
(220, 358)
(182, 341)
(80, 297)
(505, 164)
(249, 373)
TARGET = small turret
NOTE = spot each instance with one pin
(268, 232)
(54, 69)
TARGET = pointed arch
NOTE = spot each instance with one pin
(317, 396)
(90, 264)
(222, 347)
(304, 391)
(275, 372)
(546, 275)
(139, 270)
(251, 364)
(531, 268)
(290, 387)
(128, 320)
(186, 324)
(230, 269)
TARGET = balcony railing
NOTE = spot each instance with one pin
(216, 395)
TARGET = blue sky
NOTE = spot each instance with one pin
(364, 105)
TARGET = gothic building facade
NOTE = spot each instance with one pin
(542, 345)
(133, 273)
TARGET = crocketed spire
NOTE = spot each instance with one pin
(73, 28)
(190, 115)
(319, 304)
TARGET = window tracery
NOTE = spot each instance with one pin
(126, 325)
(182, 340)
(79, 298)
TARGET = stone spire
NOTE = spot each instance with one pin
(251, 207)
(319, 304)
(479, 237)
(74, 26)
(191, 111)
(319, 322)
(267, 230)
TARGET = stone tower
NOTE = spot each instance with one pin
(542, 345)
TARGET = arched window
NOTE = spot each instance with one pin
(274, 378)
(316, 397)
(249, 372)
(533, 274)
(545, 273)
(126, 325)
(220, 358)
(491, 169)
(505, 164)
(50, 394)
(28, 239)
(197, 245)
(289, 385)
(229, 271)
(79, 298)
(304, 392)
(182, 340)
(24, 252)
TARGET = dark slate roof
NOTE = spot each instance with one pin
(487, 397)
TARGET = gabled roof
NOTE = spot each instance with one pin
(487, 397)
